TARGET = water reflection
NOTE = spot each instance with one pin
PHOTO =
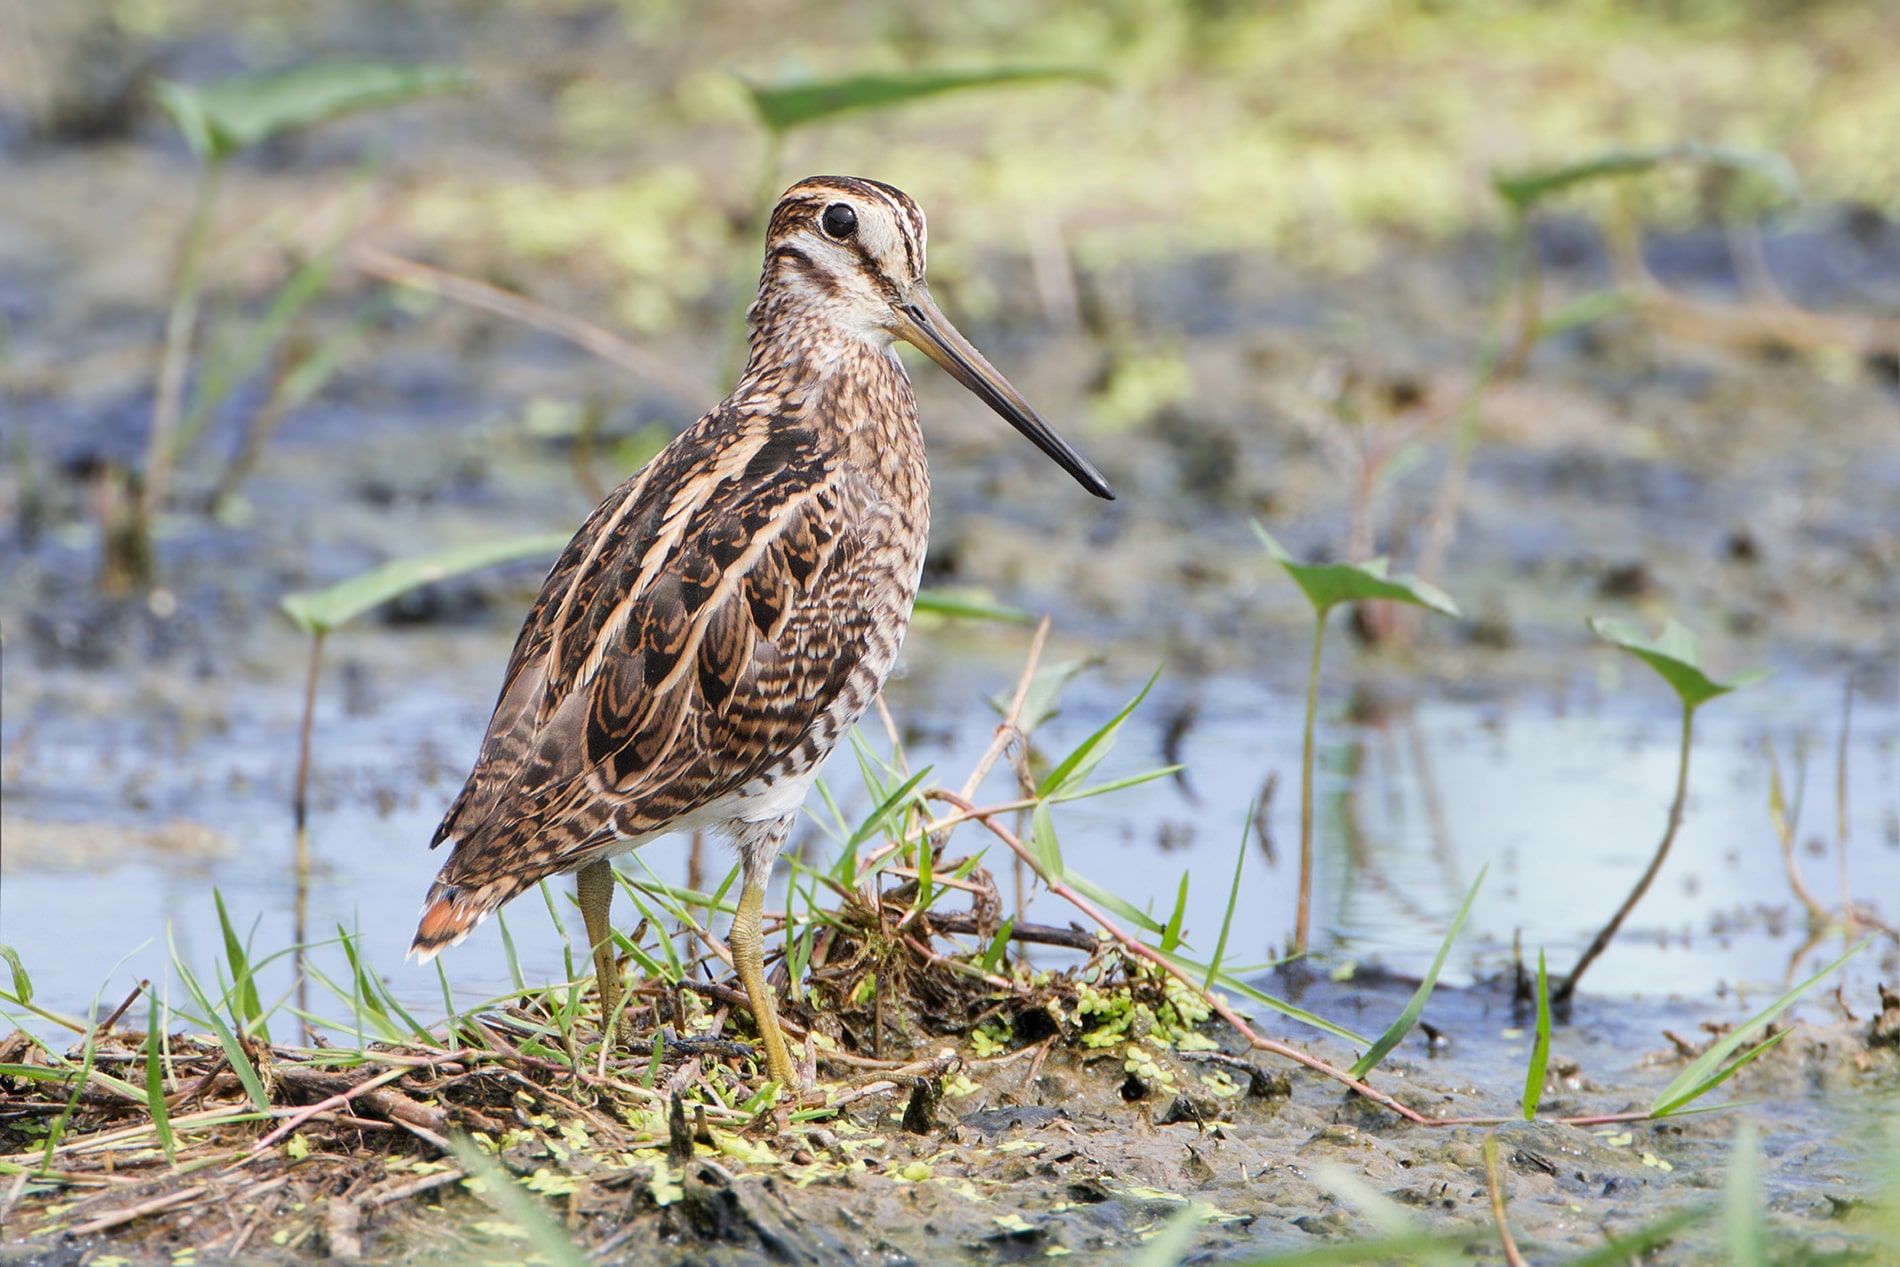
(1562, 796)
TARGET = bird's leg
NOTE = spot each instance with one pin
(594, 885)
(758, 846)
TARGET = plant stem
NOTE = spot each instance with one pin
(1496, 1183)
(1442, 525)
(1601, 941)
(300, 811)
(1303, 921)
(168, 403)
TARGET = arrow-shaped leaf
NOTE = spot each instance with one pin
(790, 105)
(1329, 584)
(1676, 654)
(320, 611)
(232, 115)
(1526, 188)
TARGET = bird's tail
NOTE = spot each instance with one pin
(452, 911)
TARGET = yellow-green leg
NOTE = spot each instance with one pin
(748, 956)
(594, 884)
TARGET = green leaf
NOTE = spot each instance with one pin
(1072, 773)
(1743, 1211)
(22, 983)
(1042, 701)
(785, 106)
(1233, 896)
(1115, 785)
(1409, 1017)
(1676, 654)
(232, 115)
(1526, 188)
(1171, 935)
(1042, 843)
(1585, 310)
(1540, 1048)
(1166, 1247)
(1701, 1075)
(320, 611)
(155, 1083)
(880, 817)
(968, 605)
(1408, 1247)
(1329, 584)
(1623, 1250)
(499, 1188)
(234, 1052)
(247, 1012)
(999, 944)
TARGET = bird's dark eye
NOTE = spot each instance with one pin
(840, 220)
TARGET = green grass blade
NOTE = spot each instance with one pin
(320, 611)
(1699, 1077)
(60, 1123)
(234, 1052)
(1409, 1017)
(1073, 771)
(1227, 920)
(675, 970)
(247, 1013)
(1042, 843)
(1741, 1062)
(155, 1083)
(508, 951)
(968, 605)
(782, 107)
(1622, 1250)
(1170, 1242)
(1409, 1247)
(1171, 935)
(1120, 906)
(22, 983)
(1525, 189)
(1115, 785)
(876, 822)
(1745, 1224)
(497, 1187)
(1540, 1048)
(999, 945)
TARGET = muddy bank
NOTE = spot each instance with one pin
(1047, 1150)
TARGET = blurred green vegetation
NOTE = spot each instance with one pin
(1316, 131)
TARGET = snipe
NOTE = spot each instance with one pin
(729, 612)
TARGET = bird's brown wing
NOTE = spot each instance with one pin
(690, 639)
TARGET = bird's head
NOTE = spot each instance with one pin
(848, 253)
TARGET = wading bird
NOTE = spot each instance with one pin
(729, 612)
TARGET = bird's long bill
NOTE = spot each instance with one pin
(920, 323)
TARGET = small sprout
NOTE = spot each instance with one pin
(1675, 654)
(1326, 585)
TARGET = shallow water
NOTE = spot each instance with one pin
(1560, 793)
